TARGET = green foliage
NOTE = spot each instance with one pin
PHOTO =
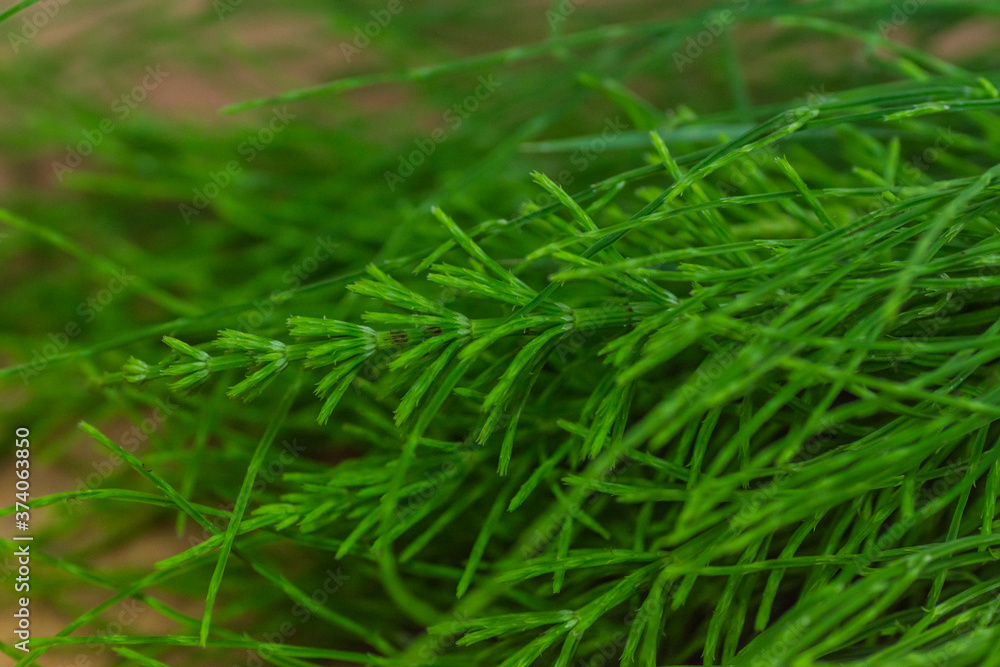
(734, 401)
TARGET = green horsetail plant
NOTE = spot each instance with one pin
(801, 385)
(734, 401)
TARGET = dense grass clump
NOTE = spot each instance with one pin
(662, 340)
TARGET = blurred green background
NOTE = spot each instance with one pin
(131, 208)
